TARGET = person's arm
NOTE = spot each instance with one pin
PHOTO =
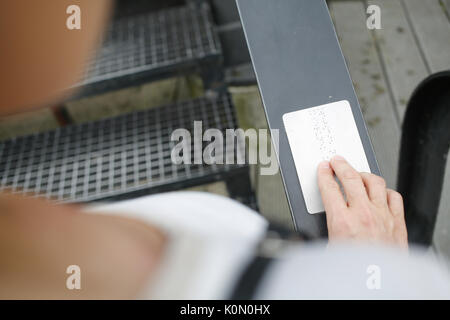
(369, 212)
(39, 240)
(41, 59)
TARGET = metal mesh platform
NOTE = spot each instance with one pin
(148, 46)
(115, 158)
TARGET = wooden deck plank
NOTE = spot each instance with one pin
(446, 3)
(370, 84)
(432, 27)
(441, 237)
(401, 57)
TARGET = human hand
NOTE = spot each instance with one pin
(371, 212)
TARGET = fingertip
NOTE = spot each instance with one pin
(395, 202)
(324, 169)
(324, 165)
(331, 194)
(337, 158)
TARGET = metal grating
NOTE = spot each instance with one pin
(147, 46)
(119, 157)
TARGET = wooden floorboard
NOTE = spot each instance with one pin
(431, 24)
(446, 4)
(370, 83)
(441, 238)
(402, 60)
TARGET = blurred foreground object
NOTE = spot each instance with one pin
(40, 57)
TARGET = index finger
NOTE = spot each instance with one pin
(332, 197)
(351, 180)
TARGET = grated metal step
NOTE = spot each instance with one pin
(116, 158)
(154, 45)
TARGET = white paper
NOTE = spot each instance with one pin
(317, 134)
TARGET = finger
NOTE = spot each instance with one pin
(351, 180)
(376, 188)
(332, 197)
(395, 203)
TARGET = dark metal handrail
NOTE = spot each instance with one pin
(423, 157)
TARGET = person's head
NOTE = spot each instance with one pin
(40, 57)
